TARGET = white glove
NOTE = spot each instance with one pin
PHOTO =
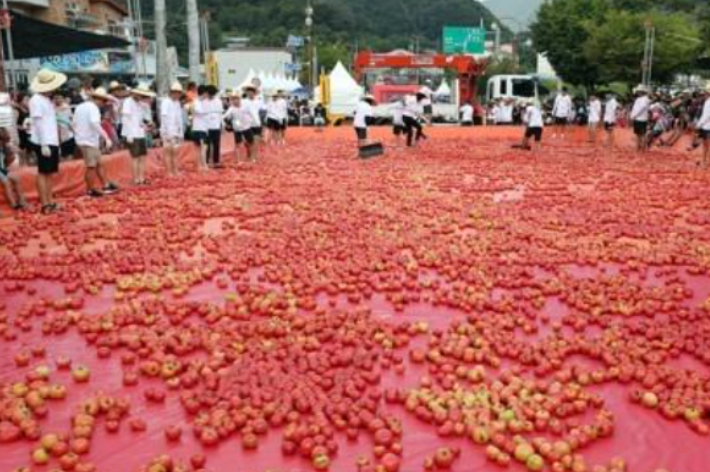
(109, 144)
(130, 140)
(46, 152)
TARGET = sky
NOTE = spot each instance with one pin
(521, 10)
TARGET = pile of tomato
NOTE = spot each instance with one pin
(340, 308)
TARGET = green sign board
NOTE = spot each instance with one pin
(463, 40)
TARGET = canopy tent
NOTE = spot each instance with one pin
(345, 93)
(34, 38)
(248, 80)
(443, 91)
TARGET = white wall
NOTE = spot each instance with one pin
(233, 64)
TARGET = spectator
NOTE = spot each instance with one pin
(67, 144)
(134, 125)
(89, 132)
(10, 182)
(45, 134)
(172, 127)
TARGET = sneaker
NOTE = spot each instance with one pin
(93, 193)
(111, 188)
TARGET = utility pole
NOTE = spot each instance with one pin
(162, 73)
(7, 32)
(193, 38)
(648, 53)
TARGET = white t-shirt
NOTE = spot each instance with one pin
(215, 110)
(610, 110)
(132, 117)
(533, 117)
(704, 121)
(595, 111)
(363, 111)
(240, 117)
(495, 114)
(563, 106)
(172, 125)
(398, 113)
(200, 116)
(467, 113)
(412, 107)
(87, 125)
(641, 109)
(254, 107)
(45, 131)
(277, 110)
(505, 114)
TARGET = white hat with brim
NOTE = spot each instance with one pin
(369, 98)
(47, 81)
(641, 89)
(101, 94)
(115, 85)
(707, 87)
(143, 92)
(177, 88)
(250, 87)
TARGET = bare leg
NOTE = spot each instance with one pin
(42, 189)
(136, 170)
(7, 186)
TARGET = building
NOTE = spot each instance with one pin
(98, 16)
(233, 64)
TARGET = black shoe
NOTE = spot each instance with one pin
(111, 188)
(93, 193)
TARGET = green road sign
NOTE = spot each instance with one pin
(463, 40)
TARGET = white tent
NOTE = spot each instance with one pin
(345, 93)
(443, 91)
(250, 76)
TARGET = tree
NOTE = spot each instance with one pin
(559, 31)
(616, 45)
(193, 35)
(161, 41)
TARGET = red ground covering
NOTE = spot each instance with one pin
(548, 292)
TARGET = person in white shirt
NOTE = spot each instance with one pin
(703, 128)
(467, 115)
(45, 134)
(534, 126)
(276, 118)
(640, 114)
(561, 112)
(88, 133)
(253, 104)
(200, 126)
(363, 116)
(242, 122)
(595, 116)
(398, 128)
(505, 113)
(413, 112)
(172, 127)
(134, 124)
(494, 113)
(611, 108)
(214, 109)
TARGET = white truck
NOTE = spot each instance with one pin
(521, 88)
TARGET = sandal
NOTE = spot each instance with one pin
(47, 209)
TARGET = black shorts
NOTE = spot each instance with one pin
(274, 125)
(244, 136)
(398, 130)
(467, 123)
(47, 165)
(559, 121)
(609, 126)
(704, 134)
(200, 137)
(68, 148)
(640, 128)
(138, 148)
(257, 131)
(361, 133)
(428, 109)
(535, 132)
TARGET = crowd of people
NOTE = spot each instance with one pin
(57, 122)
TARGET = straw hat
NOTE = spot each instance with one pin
(101, 94)
(707, 87)
(235, 94)
(115, 85)
(641, 89)
(47, 81)
(369, 97)
(177, 88)
(250, 87)
(143, 92)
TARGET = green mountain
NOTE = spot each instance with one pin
(341, 26)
